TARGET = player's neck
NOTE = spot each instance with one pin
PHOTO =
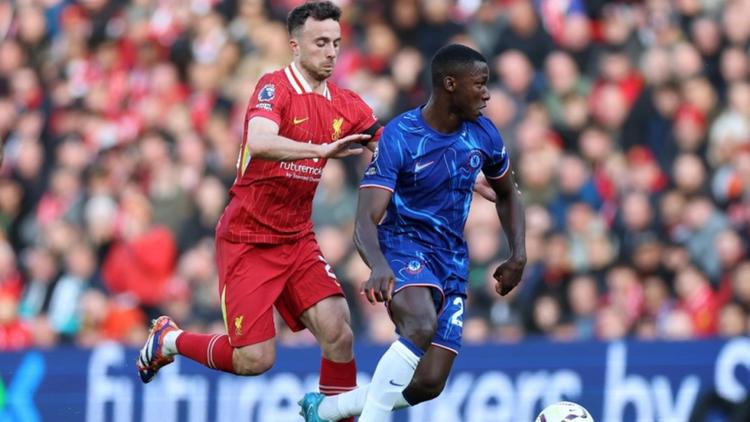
(438, 116)
(315, 85)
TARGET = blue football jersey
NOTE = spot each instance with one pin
(432, 175)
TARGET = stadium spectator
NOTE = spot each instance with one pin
(583, 302)
(15, 334)
(141, 259)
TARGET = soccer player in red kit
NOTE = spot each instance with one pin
(266, 251)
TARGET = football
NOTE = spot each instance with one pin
(564, 411)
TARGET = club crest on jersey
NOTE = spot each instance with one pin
(337, 124)
(414, 267)
(267, 92)
(474, 160)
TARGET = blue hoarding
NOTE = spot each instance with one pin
(630, 381)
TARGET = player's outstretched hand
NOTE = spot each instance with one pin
(508, 275)
(379, 287)
(344, 148)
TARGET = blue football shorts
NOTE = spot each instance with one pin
(448, 292)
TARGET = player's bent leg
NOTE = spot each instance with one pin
(330, 322)
(413, 311)
(166, 340)
(313, 299)
(430, 376)
(427, 383)
(254, 359)
(316, 407)
(395, 368)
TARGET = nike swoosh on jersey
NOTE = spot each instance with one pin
(297, 121)
(393, 383)
(421, 166)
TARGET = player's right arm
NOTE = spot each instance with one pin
(264, 141)
(375, 194)
(370, 210)
(267, 108)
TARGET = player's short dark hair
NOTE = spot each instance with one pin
(318, 10)
(453, 59)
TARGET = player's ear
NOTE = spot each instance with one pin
(449, 83)
(294, 45)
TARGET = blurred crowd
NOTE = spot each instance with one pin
(628, 124)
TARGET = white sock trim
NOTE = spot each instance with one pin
(405, 353)
(170, 342)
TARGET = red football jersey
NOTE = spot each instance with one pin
(271, 201)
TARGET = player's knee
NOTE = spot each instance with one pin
(338, 339)
(253, 361)
(253, 367)
(420, 332)
(333, 332)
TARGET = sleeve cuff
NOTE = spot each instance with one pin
(505, 170)
(265, 114)
(376, 186)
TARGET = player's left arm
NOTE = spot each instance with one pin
(510, 211)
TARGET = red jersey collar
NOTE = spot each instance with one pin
(300, 84)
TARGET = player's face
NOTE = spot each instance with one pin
(316, 47)
(471, 93)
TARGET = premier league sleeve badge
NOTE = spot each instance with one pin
(267, 93)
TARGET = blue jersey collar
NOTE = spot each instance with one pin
(423, 123)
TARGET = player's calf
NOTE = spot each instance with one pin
(337, 342)
(329, 322)
(430, 375)
(424, 388)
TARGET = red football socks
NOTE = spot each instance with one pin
(337, 378)
(211, 350)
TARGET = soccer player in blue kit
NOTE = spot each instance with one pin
(413, 204)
